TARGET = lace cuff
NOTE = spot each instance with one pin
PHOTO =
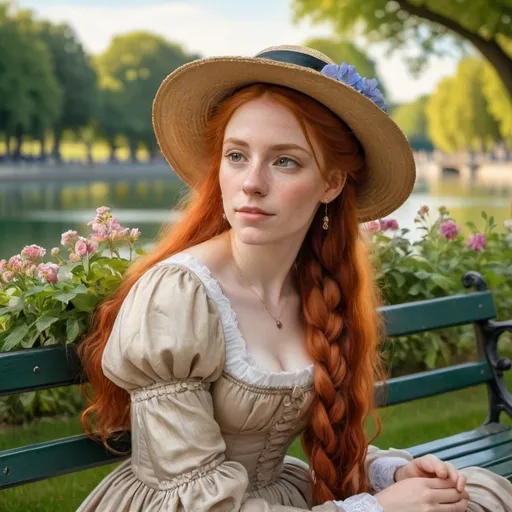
(382, 472)
(359, 503)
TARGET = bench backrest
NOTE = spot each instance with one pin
(47, 367)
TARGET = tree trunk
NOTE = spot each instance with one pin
(490, 49)
(8, 154)
(133, 151)
(88, 149)
(18, 137)
(42, 150)
(112, 157)
(56, 145)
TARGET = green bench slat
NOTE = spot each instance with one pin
(457, 439)
(44, 460)
(503, 468)
(494, 441)
(38, 368)
(490, 464)
(484, 456)
(413, 317)
(424, 384)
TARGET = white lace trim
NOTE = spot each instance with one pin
(239, 362)
(381, 473)
(360, 503)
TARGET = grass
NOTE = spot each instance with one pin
(403, 426)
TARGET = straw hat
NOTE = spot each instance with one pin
(187, 96)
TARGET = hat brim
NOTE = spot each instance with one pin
(185, 100)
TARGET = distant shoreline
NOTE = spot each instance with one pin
(19, 173)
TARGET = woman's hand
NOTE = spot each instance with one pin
(423, 495)
(429, 466)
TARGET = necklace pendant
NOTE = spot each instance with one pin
(279, 324)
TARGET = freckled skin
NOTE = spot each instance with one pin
(286, 181)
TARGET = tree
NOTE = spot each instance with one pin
(500, 102)
(30, 96)
(458, 111)
(339, 50)
(131, 70)
(412, 119)
(486, 24)
(76, 77)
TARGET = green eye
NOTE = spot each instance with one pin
(284, 161)
(236, 158)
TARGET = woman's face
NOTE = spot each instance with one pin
(268, 166)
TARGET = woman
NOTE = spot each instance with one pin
(254, 318)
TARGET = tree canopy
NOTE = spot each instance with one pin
(485, 24)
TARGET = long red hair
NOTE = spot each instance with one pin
(338, 294)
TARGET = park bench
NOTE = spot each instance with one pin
(488, 446)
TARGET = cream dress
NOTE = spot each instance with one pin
(210, 427)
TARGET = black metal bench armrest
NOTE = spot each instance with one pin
(488, 333)
(499, 396)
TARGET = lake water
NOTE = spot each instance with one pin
(38, 212)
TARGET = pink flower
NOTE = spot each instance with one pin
(391, 224)
(16, 263)
(102, 210)
(55, 252)
(81, 247)
(372, 226)
(3, 265)
(48, 272)
(105, 227)
(69, 238)
(7, 276)
(33, 252)
(477, 242)
(84, 246)
(135, 234)
(29, 269)
(449, 230)
(423, 210)
(74, 257)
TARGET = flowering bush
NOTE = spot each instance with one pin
(43, 303)
(433, 266)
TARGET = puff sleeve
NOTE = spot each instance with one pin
(165, 349)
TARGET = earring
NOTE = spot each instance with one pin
(326, 219)
(224, 216)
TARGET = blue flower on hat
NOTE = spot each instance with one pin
(348, 75)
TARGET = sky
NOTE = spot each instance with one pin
(224, 27)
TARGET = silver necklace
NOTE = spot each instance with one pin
(276, 319)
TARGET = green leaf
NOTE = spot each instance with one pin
(86, 302)
(399, 279)
(15, 306)
(442, 282)
(15, 338)
(64, 297)
(431, 357)
(471, 225)
(415, 289)
(43, 322)
(422, 275)
(140, 252)
(72, 329)
(27, 398)
(484, 215)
